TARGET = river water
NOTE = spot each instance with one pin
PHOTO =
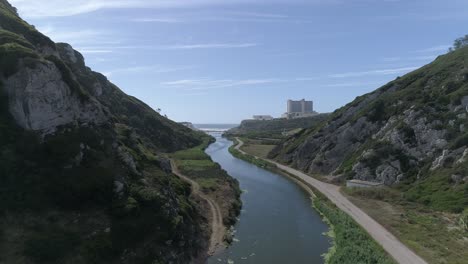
(277, 224)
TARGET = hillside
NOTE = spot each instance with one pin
(83, 173)
(275, 128)
(411, 134)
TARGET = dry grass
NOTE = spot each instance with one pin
(435, 236)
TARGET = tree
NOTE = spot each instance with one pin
(460, 43)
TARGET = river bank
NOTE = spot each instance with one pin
(277, 224)
(346, 214)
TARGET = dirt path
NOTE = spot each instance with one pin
(217, 226)
(389, 242)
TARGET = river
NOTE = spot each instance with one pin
(277, 224)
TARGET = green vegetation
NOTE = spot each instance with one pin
(464, 220)
(10, 37)
(257, 149)
(432, 93)
(11, 54)
(94, 193)
(67, 76)
(460, 43)
(274, 129)
(435, 236)
(251, 159)
(11, 22)
(351, 244)
(51, 245)
(213, 180)
(439, 193)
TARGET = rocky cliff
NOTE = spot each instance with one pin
(83, 178)
(411, 133)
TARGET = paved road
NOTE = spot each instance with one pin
(389, 242)
(217, 226)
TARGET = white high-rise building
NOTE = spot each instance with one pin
(298, 109)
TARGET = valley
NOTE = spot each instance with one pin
(90, 173)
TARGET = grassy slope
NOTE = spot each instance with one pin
(213, 180)
(430, 90)
(435, 236)
(274, 129)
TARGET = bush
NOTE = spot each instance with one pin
(460, 43)
(351, 243)
(10, 37)
(464, 220)
(461, 141)
(11, 54)
(378, 112)
(50, 245)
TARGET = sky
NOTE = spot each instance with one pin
(222, 61)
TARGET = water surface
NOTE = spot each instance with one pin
(277, 224)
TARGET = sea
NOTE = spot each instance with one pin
(215, 127)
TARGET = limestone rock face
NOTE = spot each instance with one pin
(40, 100)
(388, 173)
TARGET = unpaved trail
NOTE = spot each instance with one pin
(400, 252)
(218, 230)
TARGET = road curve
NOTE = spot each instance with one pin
(400, 252)
(218, 229)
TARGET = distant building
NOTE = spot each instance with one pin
(301, 106)
(298, 109)
(363, 184)
(262, 117)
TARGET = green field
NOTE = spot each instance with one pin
(212, 179)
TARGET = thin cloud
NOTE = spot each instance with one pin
(209, 46)
(302, 79)
(60, 8)
(414, 58)
(219, 17)
(438, 48)
(259, 15)
(373, 72)
(71, 36)
(158, 20)
(353, 84)
(172, 47)
(153, 69)
(94, 51)
(206, 84)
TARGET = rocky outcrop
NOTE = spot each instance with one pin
(410, 128)
(40, 100)
(80, 163)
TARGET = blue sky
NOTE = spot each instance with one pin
(221, 61)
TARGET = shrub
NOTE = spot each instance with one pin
(50, 245)
(10, 37)
(464, 220)
(460, 43)
(378, 112)
(461, 141)
(11, 54)
(351, 243)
